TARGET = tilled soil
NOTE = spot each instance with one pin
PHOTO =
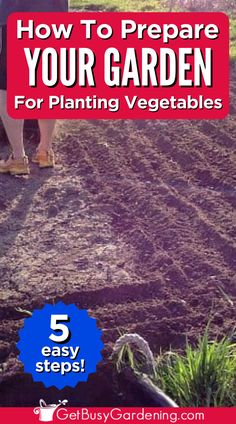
(136, 223)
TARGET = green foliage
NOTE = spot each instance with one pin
(202, 376)
(233, 38)
(132, 358)
(119, 5)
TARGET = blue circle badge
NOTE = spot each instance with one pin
(60, 345)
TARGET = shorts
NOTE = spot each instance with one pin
(3, 57)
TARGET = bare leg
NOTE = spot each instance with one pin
(13, 127)
(46, 127)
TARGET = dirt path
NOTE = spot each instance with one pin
(137, 224)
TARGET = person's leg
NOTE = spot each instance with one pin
(45, 156)
(46, 127)
(13, 128)
(17, 163)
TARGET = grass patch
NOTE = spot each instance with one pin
(233, 38)
(119, 5)
(201, 376)
(133, 351)
(130, 358)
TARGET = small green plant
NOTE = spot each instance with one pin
(202, 376)
(127, 357)
(131, 350)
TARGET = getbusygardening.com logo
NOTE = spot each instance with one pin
(46, 412)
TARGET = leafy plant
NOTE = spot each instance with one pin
(202, 376)
(133, 351)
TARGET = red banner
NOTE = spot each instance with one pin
(118, 65)
(55, 414)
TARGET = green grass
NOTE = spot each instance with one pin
(130, 358)
(233, 38)
(141, 5)
(133, 358)
(202, 376)
(119, 5)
